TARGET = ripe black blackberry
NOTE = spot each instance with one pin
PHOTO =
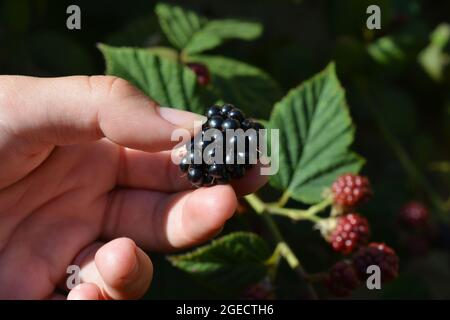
(237, 151)
(342, 279)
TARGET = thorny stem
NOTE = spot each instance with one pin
(282, 247)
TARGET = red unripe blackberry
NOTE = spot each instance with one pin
(350, 190)
(260, 291)
(201, 71)
(351, 231)
(378, 254)
(414, 214)
(342, 279)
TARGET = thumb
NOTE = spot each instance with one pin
(68, 110)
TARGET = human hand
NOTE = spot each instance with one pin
(86, 160)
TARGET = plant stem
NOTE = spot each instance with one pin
(441, 166)
(297, 214)
(283, 248)
(283, 199)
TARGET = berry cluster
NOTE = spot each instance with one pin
(345, 276)
(347, 231)
(236, 152)
(351, 231)
(351, 190)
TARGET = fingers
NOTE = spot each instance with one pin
(161, 222)
(252, 181)
(59, 111)
(117, 270)
(85, 291)
(156, 171)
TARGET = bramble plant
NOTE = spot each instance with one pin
(317, 167)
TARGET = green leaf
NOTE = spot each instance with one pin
(164, 52)
(178, 24)
(433, 58)
(164, 80)
(229, 263)
(315, 134)
(216, 32)
(192, 33)
(398, 49)
(386, 50)
(246, 86)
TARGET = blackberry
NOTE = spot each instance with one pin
(350, 190)
(351, 231)
(201, 71)
(414, 214)
(262, 290)
(231, 154)
(378, 254)
(342, 279)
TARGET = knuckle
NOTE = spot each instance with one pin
(114, 87)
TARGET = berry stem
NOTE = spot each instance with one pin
(284, 199)
(298, 214)
(282, 247)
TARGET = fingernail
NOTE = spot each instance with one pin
(180, 118)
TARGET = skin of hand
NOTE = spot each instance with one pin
(87, 179)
